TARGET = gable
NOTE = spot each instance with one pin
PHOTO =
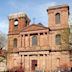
(34, 27)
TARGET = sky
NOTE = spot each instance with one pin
(35, 9)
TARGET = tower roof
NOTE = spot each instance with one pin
(57, 6)
(18, 14)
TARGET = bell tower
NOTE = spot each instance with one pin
(58, 16)
(17, 22)
(59, 27)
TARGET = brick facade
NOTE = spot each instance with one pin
(47, 53)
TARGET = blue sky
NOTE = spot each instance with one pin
(33, 8)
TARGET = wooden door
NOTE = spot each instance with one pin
(34, 64)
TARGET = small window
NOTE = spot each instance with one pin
(26, 34)
(15, 43)
(26, 23)
(41, 54)
(57, 18)
(58, 39)
(34, 40)
(25, 55)
(41, 33)
(21, 35)
(46, 33)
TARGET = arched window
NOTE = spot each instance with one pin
(15, 24)
(57, 18)
(58, 39)
(15, 43)
(34, 40)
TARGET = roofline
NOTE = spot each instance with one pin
(58, 6)
(33, 24)
(17, 14)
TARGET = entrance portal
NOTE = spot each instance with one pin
(34, 64)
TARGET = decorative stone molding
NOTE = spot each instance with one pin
(16, 15)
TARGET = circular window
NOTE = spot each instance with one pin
(16, 22)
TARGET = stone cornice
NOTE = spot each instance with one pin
(58, 6)
(16, 15)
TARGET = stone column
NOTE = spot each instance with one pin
(44, 62)
(23, 62)
(29, 39)
(38, 61)
(29, 65)
(51, 61)
(19, 41)
(48, 40)
(39, 39)
(22, 39)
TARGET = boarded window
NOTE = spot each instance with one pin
(57, 18)
(58, 39)
(34, 40)
(15, 43)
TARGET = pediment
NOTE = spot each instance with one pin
(34, 27)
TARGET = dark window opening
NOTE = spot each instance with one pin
(46, 33)
(45, 54)
(30, 55)
(34, 40)
(33, 55)
(57, 18)
(58, 39)
(33, 34)
(41, 54)
(22, 35)
(25, 55)
(26, 34)
(41, 33)
(15, 43)
(26, 23)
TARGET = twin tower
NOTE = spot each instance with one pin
(57, 18)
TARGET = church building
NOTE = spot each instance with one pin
(34, 47)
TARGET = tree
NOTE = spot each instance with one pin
(3, 40)
(70, 37)
(3, 54)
